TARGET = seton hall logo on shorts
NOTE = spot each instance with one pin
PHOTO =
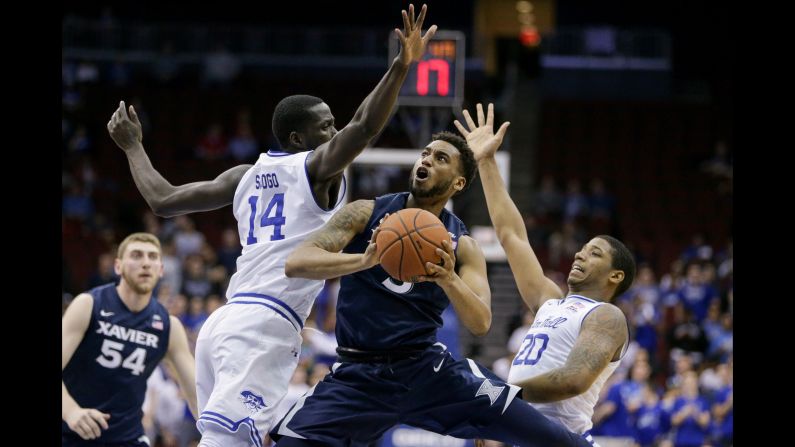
(252, 401)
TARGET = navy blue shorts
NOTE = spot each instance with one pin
(360, 401)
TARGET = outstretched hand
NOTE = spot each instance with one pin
(125, 129)
(481, 138)
(412, 43)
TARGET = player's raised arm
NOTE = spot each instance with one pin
(319, 257)
(602, 337)
(86, 422)
(534, 287)
(331, 159)
(183, 363)
(164, 198)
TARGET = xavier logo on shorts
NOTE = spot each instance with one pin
(487, 389)
(252, 401)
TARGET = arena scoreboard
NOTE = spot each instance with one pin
(437, 79)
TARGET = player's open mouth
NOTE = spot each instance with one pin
(576, 268)
(422, 174)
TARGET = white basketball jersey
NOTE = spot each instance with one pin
(275, 210)
(547, 345)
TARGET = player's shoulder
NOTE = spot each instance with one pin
(359, 210)
(606, 317)
(82, 300)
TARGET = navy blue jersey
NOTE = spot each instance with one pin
(109, 368)
(376, 312)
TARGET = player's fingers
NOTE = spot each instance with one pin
(434, 270)
(490, 116)
(133, 115)
(123, 110)
(401, 37)
(461, 128)
(469, 120)
(85, 429)
(411, 16)
(100, 418)
(447, 260)
(429, 34)
(406, 24)
(481, 117)
(503, 129)
(421, 17)
(93, 426)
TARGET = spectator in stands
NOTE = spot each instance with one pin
(80, 142)
(230, 250)
(575, 203)
(243, 146)
(601, 203)
(722, 343)
(617, 414)
(686, 335)
(650, 419)
(690, 415)
(187, 239)
(683, 363)
(105, 272)
(723, 408)
(77, 204)
(172, 267)
(695, 293)
(548, 201)
(213, 145)
(214, 301)
(194, 280)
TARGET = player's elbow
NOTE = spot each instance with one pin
(482, 326)
(161, 208)
(291, 267)
(578, 386)
(294, 266)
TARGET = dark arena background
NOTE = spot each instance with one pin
(621, 124)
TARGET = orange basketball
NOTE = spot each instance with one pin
(407, 240)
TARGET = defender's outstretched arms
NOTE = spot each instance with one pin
(534, 287)
(331, 159)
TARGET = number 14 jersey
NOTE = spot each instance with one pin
(276, 210)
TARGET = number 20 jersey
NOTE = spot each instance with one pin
(276, 210)
(547, 345)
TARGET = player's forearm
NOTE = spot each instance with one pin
(153, 187)
(473, 313)
(316, 263)
(186, 379)
(551, 386)
(377, 106)
(503, 212)
(68, 404)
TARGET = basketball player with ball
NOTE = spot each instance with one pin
(403, 259)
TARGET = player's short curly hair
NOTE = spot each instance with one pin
(469, 167)
(622, 260)
(292, 115)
